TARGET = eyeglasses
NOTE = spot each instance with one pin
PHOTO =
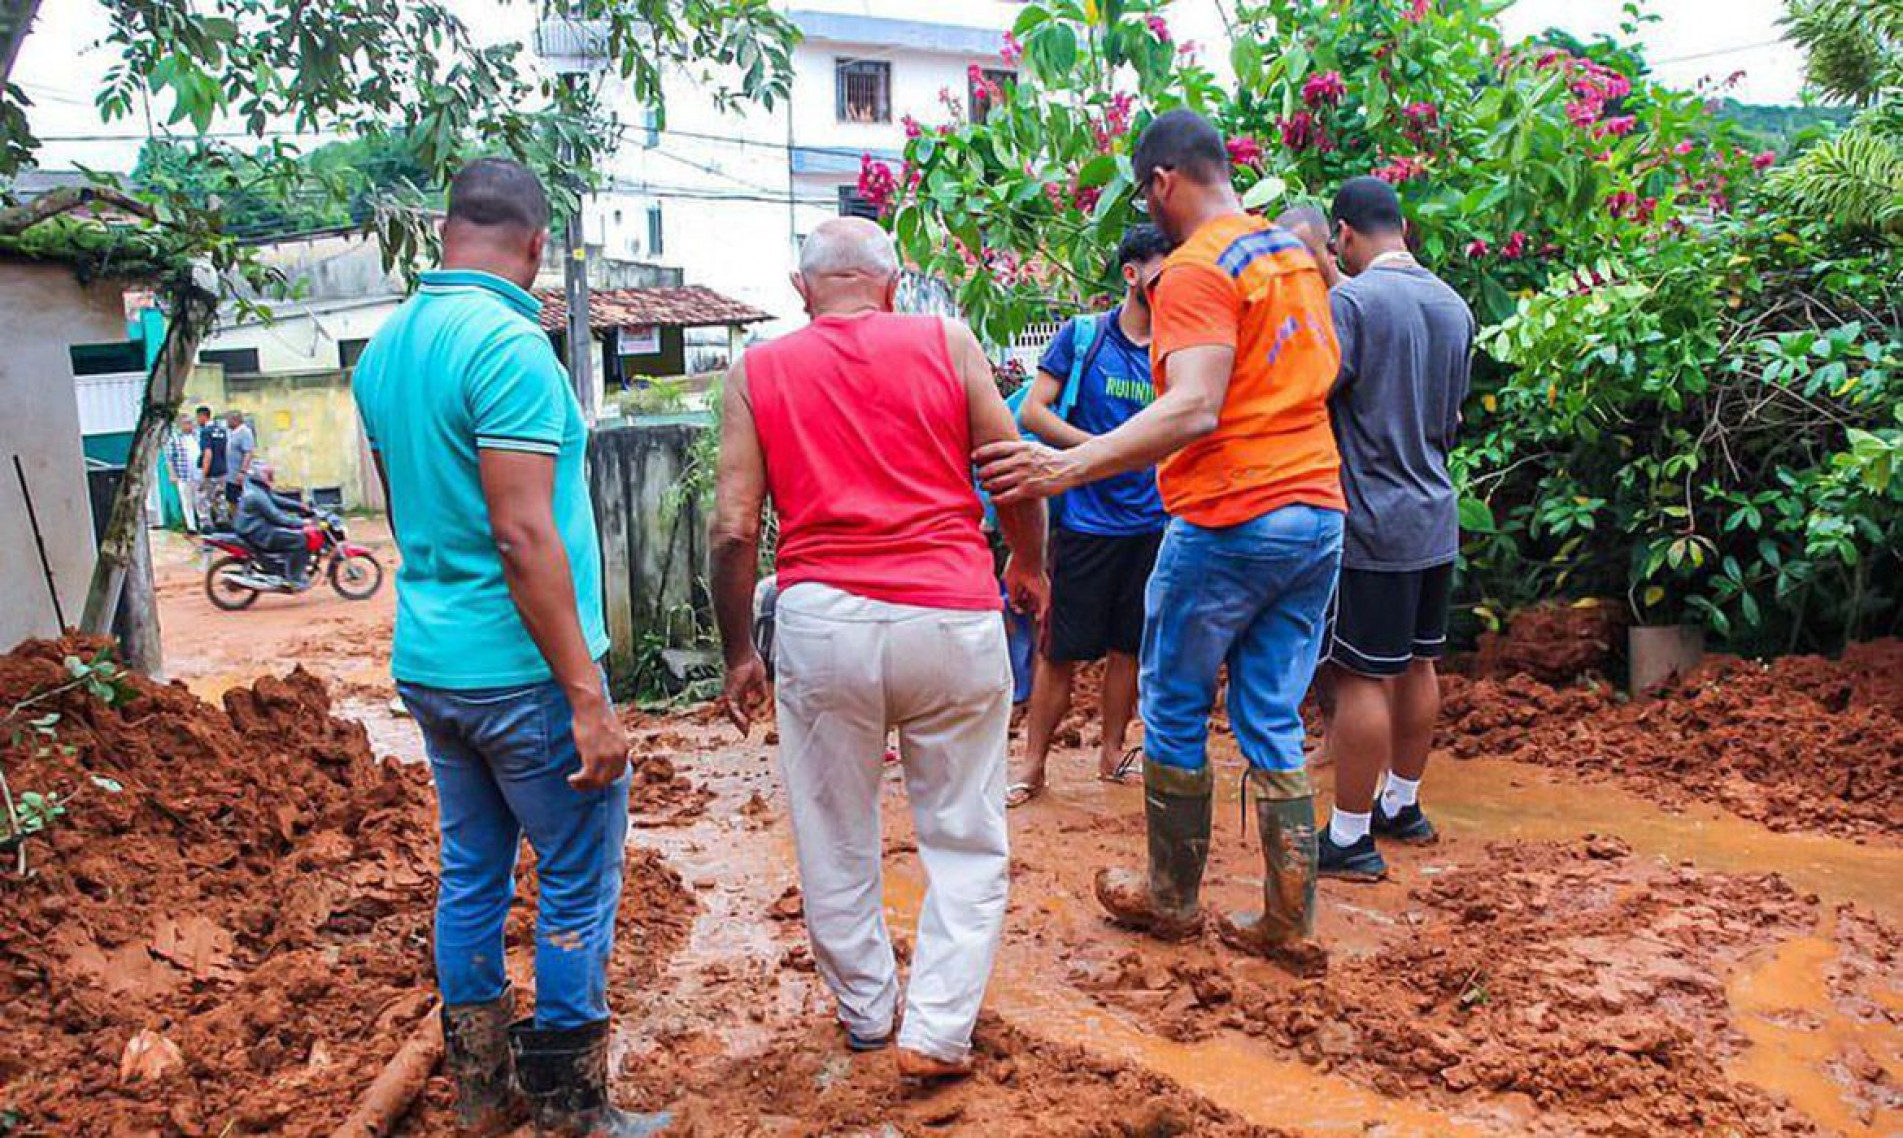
(1140, 195)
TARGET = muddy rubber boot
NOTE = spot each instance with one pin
(1284, 932)
(476, 1055)
(564, 1075)
(1163, 902)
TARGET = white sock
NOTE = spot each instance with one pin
(1345, 829)
(1399, 794)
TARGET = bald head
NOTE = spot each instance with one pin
(1310, 225)
(847, 264)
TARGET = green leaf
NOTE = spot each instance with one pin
(1097, 171)
(1476, 516)
(1268, 188)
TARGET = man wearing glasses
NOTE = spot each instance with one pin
(1244, 355)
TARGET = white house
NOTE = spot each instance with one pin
(728, 195)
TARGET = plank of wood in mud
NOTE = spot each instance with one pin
(390, 1094)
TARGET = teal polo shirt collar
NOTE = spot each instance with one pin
(459, 280)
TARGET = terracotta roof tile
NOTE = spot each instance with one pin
(687, 306)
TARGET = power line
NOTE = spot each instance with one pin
(1715, 53)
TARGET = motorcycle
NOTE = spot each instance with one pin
(237, 574)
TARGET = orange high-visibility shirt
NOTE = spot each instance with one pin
(1240, 282)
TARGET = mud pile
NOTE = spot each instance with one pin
(1801, 743)
(1554, 641)
(1588, 984)
(226, 930)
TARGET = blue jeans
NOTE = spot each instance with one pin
(1254, 596)
(501, 758)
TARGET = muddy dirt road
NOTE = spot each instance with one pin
(1591, 949)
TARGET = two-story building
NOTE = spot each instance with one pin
(729, 194)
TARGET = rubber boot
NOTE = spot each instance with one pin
(1284, 931)
(476, 1055)
(564, 1075)
(1163, 902)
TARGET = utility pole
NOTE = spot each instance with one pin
(580, 339)
(575, 49)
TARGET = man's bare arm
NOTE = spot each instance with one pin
(520, 490)
(1022, 523)
(1042, 421)
(734, 540)
(1188, 410)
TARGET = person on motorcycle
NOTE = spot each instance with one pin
(274, 524)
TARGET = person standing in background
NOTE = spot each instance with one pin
(214, 506)
(1310, 226)
(240, 445)
(1104, 541)
(1406, 348)
(181, 462)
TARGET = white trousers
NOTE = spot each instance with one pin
(848, 669)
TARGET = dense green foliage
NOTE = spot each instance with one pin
(341, 184)
(1689, 390)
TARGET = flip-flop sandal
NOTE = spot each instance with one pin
(1019, 793)
(1126, 766)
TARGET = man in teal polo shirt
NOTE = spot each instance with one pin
(481, 443)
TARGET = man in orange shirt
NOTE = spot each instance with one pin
(1244, 356)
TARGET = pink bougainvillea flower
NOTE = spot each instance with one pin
(1421, 112)
(1477, 248)
(1620, 203)
(876, 183)
(1245, 150)
(1418, 11)
(1618, 126)
(1159, 27)
(1011, 51)
(1764, 160)
(1551, 58)
(1515, 246)
(1298, 131)
(1325, 88)
(1085, 199)
(912, 128)
(1683, 148)
(1402, 169)
(1583, 112)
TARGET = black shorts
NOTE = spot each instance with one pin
(233, 491)
(1382, 622)
(1097, 593)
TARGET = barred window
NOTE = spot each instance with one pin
(851, 204)
(864, 91)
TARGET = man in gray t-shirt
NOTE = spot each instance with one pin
(1406, 343)
(240, 447)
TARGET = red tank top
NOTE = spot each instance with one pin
(867, 437)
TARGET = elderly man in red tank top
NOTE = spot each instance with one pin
(859, 429)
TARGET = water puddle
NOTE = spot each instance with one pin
(1485, 799)
(1803, 1046)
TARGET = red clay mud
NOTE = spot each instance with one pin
(1554, 641)
(230, 942)
(1575, 975)
(1801, 743)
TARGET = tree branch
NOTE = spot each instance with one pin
(18, 219)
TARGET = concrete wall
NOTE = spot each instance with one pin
(306, 425)
(44, 311)
(654, 557)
